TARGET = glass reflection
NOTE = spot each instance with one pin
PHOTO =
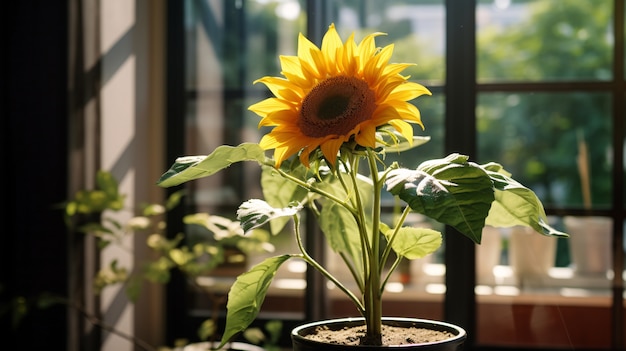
(544, 40)
(540, 138)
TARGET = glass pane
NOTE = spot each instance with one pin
(558, 144)
(530, 287)
(531, 297)
(415, 27)
(538, 40)
(230, 44)
(417, 30)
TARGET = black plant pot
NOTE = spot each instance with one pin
(300, 343)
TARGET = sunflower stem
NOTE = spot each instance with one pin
(312, 189)
(391, 270)
(364, 243)
(393, 235)
(360, 215)
(373, 292)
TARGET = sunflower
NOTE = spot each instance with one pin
(342, 92)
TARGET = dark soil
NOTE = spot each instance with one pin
(391, 335)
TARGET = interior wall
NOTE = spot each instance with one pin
(131, 45)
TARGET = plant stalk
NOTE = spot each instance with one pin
(373, 293)
(311, 261)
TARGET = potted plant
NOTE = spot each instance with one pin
(206, 250)
(335, 114)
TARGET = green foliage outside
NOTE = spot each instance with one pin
(536, 134)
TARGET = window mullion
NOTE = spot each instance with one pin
(460, 136)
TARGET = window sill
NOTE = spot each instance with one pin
(560, 284)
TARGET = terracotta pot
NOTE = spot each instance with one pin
(300, 343)
(231, 346)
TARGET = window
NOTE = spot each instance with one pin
(550, 100)
(543, 88)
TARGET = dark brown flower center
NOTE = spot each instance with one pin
(335, 106)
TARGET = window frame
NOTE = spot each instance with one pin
(461, 89)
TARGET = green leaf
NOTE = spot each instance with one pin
(108, 184)
(174, 199)
(451, 190)
(194, 167)
(274, 328)
(207, 329)
(517, 205)
(280, 192)
(153, 210)
(105, 197)
(159, 270)
(133, 288)
(338, 224)
(247, 295)
(255, 213)
(181, 256)
(341, 231)
(254, 335)
(415, 243)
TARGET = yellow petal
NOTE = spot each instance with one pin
(374, 67)
(408, 91)
(385, 88)
(311, 72)
(284, 145)
(384, 114)
(268, 105)
(410, 113)
(280, 155)
(383, 57)
(305, 47)
(307, 53)
(367, 135)
(304, 157)
(395, 68)
(330, 44)
(367, 48)
(278, 118)
(319, 63)
(349, 64)
(291, 69)
(405, 129)
(282, 88)
(290, 64)
(330, 149)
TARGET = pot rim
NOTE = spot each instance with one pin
(460, 333)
